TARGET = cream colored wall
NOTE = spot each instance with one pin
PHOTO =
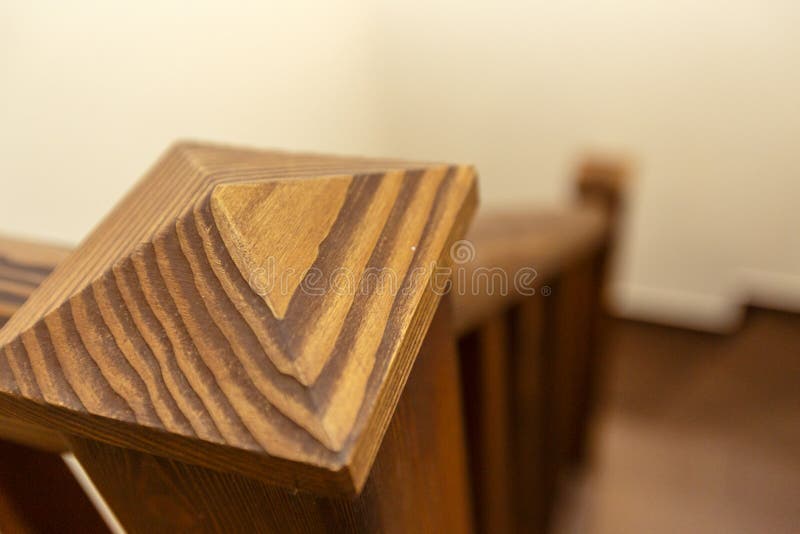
(92, 92)
(704, 96)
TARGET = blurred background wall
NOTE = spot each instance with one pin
(702, 97)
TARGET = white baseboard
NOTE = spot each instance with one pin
(695, 311)
(706, 312)
(777, 291)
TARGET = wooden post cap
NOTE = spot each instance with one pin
(250, 311)
(604, 180)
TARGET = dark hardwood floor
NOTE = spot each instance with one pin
(698, 433)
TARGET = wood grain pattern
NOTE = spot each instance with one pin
(158, 332)
(23, 267)
(37, 491)
(418, 483)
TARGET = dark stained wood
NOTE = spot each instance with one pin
(159, 334)
(418, 482)
(530, 364)
(533, 447)
(572, 329)
(487, 390)
(592, 373)
(31, 435)
(699, 431)
(39, 495)
(555, 335)
(543, 238)
(603, 182)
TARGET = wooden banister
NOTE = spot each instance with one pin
(176, 284)
(604, 182)
(211, 322)
(529, 346)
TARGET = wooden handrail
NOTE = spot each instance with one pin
(23, 267)
(544, 240)
(163, 332)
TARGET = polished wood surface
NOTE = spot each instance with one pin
(418, 483)
(697, 432)
(155, 334)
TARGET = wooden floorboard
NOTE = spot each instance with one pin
(699, 433)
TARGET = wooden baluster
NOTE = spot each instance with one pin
(532, 443)
(163, 334)
(551, 357)
(487, 391)
(572, 359)
(517, 331)
(592, 370)
(603, 183)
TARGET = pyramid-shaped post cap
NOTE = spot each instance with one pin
(227, 312)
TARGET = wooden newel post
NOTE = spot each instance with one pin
(254, 341)
(603, 183)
